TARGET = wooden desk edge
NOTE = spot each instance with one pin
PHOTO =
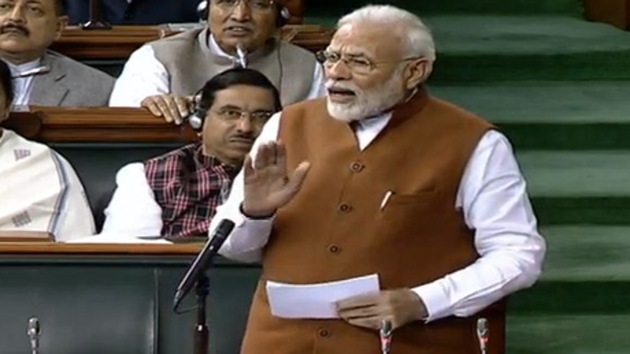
(99, 249)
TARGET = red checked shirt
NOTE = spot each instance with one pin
(188, 186)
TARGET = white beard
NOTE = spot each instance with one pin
(366, 103)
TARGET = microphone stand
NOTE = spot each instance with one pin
(95, 22)
(196, 277)
(202, 289)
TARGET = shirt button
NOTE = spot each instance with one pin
(344, 207)
(323, 332)
(334, 249)
(356, 167)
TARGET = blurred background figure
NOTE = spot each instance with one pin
(135, 12)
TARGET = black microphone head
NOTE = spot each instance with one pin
(224, 228)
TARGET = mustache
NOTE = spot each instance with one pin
(330, 84)
(9, 27)
(247, 26)
(241, 137)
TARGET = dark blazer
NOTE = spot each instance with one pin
(139, 12)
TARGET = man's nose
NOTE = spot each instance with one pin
(337, 71)
(242, 12)
(17, 14)
(245, 125)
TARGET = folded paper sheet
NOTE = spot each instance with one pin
(316, 300)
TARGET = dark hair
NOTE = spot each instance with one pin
(60, 7)
(233, 77)
(7, 83)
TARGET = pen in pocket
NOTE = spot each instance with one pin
(386, 199)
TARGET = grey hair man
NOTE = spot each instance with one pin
(381, 178)
(164, 75)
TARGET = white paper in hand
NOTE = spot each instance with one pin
(316, 300)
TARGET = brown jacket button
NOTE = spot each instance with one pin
(356, 167)
(344, 207)
(323, 332)
(334, 249)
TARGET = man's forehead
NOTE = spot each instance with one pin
(362, 39)
(40, 2)
(246, 97)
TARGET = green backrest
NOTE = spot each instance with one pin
(97, 165)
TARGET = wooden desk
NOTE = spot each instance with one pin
(121, 41)
(115, 299)
(69, 125)
(88, 249)
(614, 12)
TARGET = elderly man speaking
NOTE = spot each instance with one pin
(382, 178)
(164, 75)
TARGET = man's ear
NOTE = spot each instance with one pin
(62, 22)
(417, 72)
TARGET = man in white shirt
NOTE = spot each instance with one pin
(164, 75)
(39, 191)
(43, 77)
(381, 178)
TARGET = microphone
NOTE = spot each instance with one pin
(32, 72)
(241, 54)
(196, 118)
(483, 334)
(95, 21)
(203, 260)
(33, 332)
(385, 335)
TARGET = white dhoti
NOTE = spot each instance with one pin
(39, 191)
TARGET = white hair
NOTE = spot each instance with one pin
(416, 36)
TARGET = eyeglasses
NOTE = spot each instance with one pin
(234, 115)
(359, 65)
(254, 5)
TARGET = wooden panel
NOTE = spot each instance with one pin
(96, 125)
(120, 41)
(25, 236)
(296, 8)
(614, 12)
(99, 249)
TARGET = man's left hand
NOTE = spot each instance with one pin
(400, 306)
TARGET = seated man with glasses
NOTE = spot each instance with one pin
(176, 194)
(164, 75)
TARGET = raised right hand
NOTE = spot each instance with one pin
(268, 186)
(172, 108)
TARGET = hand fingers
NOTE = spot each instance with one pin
(281, 156)
(183, 106)
(372, 322)
(297, 177)
(371, 317)
(248, 168)
(260, 158)
(270, 154)
(171, 108)
(358, 301)
(152, 106)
